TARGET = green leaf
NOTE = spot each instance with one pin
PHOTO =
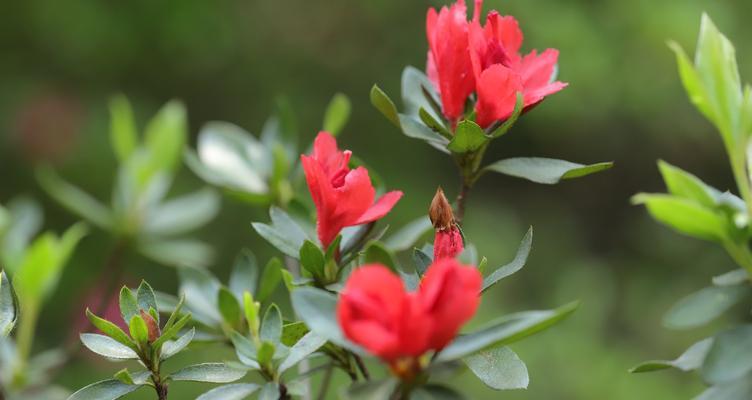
(312, 259)
(317, 308)
(265, 354)
(740, 389)
(690, 360)
(499, 369)
(172, 331)
(418, 92)
(229, 306)
(422, 261)
(300, 350)
(293, 332)
(691, 81)
(40, 271)
(147, 300)
(435, 125)
(731, 278)
(416, 130)
(139, 331)
(230, 157)
(244, 349)
(199, 288)
(685, 216)
(178, 253)
(271, 326)
(124, 376)
(715, 63)
(235, 391)
(467, 137)
(75, 199)
(165, 136)
(544, 170)
(337, 114)
(23, 220)
(371, 390)
(376, 253)
(170, 347)
(730, 356)
(504, 127)
(123, 133)
(128, 304)
(109, 389)
(111, 330)
(683, 184)
(107, 347)
(183, 214)
(270, 391)
(507, 330)
(251, 309)
(703, 306)
(208, 372)
(515, 265)
(385, 105)
(408, 235)
(244, 275)
(8, 306)
(284, 233)
(270, 279)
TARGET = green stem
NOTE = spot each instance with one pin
(25, 340)
(327, 380)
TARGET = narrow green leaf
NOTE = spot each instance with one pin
(128, 304)
(293, 332)
(690, 360)
(691, 81)
(146, 297)
(337, 114)
(251, 309)
(183, 214)
(507, 330)
(467, 137)
(703, 306)
(731, 278)
(435, 125)
(683, 184)
(178, 252)
(740, 389)
(170, 347)
(245, 350)
(317, 308)
(109, 389)
(75, 199)
(123, 133)
(107, 347)
(499, 369)
(421, 260)
(515, 265)
(307, 345)
(312, 259)
(271, 326)
(544, 170)
(270, 279)
(235, 391)
(244, 275)
(265, 353)
(208, 372)
(229, 306)
(685, 216)
(385, 105)
(111, 330)
(376, 253)
(270, 391)
(173, 331)
(165, 136)
(139, 331)
(124, 376)
(505, 126)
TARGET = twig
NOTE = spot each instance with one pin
(461, 199)
(362, 367)
(327, 380)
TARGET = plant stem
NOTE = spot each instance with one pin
(327, 380)
(112, 273)
(362, 367)
(461, 199)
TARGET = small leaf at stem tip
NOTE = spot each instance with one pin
(384, 104)
(337, 113)
(505, 126)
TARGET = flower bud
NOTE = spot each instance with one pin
(440, 211)
(151, 325)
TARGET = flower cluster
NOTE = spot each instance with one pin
(466, 57)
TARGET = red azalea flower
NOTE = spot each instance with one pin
(448, 65)
(450, 295)
(500, 70)
(343, 197)
(376, 312)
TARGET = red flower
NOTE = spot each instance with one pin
(501, 71)
(465, 57)
(449, 66)
(450, 295)
(377, 313)
(343, 197)
(447, 243)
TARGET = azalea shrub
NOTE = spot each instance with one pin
(386, 308)
(697, 209)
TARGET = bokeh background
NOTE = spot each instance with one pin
(228, 59)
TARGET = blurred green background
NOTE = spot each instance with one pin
(228, 59)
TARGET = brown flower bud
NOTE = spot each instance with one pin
(440, 212)
(151, 325)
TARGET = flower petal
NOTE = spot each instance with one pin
(380, 208)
